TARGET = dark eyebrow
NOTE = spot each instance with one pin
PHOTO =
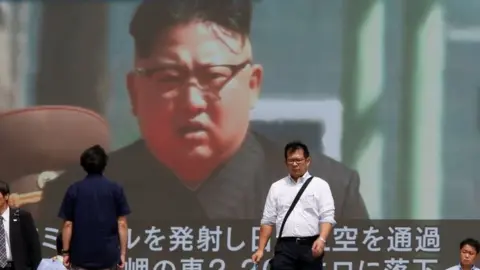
(183, 68)
(163, 66)
(158, 68)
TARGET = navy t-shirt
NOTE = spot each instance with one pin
(93, 205)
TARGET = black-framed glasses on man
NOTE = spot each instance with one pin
(295, 161)
(170, 79)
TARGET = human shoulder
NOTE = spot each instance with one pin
(325, 163)
(115, 186)
(455, 267)
(280, 182)
(335, 173)
(73, 188)
(318, 181)
(276, 186)
(20, 212)
(267, 144)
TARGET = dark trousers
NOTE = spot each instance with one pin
(295, 254)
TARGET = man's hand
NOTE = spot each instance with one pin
(121, 264)
(318, 247)
(66, 261)
(257, 256)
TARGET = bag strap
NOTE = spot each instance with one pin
(295, 201)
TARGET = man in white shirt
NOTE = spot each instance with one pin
(469, 249)
(302, 241)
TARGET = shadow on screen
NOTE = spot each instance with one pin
(309, 132)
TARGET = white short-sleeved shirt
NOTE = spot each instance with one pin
(315, 206)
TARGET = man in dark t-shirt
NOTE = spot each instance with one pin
(94, 211)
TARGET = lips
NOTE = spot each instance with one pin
(191, 128)
(193, 131)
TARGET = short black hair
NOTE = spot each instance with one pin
(294, 146)
(155, 17)
(471, 242)
(4, 188)
(94, 160)
(59, 242)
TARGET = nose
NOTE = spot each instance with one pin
(194, 99)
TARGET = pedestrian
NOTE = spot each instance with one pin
(94, 211)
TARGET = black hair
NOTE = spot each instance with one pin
(155, 17)
(59, 242)
(4, 188)
(471, 242)
(294, 146)
(94, 160)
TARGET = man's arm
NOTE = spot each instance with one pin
(353, 205)
(269, 219)
(66, 234)
(32, 239)
(123, 232)
(327, 212)
(265, 233)
(66, 213)
(122, 210)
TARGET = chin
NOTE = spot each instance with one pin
(200, 152)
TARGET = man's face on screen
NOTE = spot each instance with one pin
(193, 100)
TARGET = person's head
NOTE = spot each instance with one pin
(297, 158)
(469, 249)
(59, 242)
(4, 195)
(194, 81)
(94, 160)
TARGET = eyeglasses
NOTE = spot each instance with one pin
(171, 79)
(297, 161)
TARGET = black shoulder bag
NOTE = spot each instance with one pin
(292, 206)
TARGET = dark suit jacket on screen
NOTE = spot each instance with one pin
(235, 191)
(24, 241)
